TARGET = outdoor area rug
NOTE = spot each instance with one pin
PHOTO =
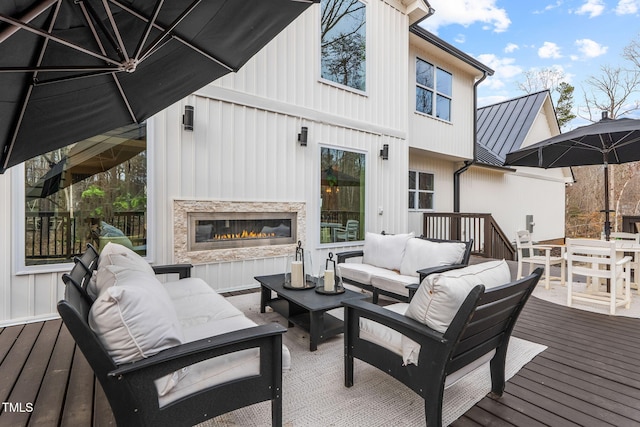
(314, 393)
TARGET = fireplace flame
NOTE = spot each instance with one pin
(244, 234)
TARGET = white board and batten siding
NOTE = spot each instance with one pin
(244, 148)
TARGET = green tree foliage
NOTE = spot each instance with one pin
(564, 104)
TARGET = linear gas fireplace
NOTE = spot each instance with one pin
(212, 231)
(222, 230)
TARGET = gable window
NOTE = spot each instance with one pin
(342, 191)
(421, 190)
(343, 42)
(93, 191)
(433, 90)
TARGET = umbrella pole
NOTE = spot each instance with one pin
(607, 223)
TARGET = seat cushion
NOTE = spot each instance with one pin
(361, 273)
(440, 295)
(420, 253)
(385, 250)
(393, 282)
(195, 302)
(399, 344)
(135, 318)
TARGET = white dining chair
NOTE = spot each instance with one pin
(597, 260)
(624, 238)
(540, 255)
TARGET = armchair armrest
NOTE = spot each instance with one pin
(178, 357)
(412, 329)
(342, 256)
(183, 270)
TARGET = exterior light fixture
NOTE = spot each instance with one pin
(187, 118)
(302, 136)
(384, 153)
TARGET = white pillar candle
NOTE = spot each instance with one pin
(297, 279)
(329, 281)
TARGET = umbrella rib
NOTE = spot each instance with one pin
(49, 36)
(92, 27)
(124, 98)
(175, 37)
(27, 17)
(147, 30)
(116, 31)
(146, 52)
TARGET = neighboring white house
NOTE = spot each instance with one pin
(522, 197)
(288, 139)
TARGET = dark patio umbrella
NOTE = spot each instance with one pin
(72, 69)
(603, 143)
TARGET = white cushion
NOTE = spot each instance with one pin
(115, 254)
(421, 253)
(135, 318)
(391, 281)
(385, 250)
(361, 273)
(383, 335)
(440, 295)
(195, 302)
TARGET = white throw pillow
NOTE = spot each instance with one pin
(115, 255)
(420, 253)
(385, 250)
(135, 318)
(440, 295)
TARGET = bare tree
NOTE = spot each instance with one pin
(632, 52)
(611, 91)
(536, 80)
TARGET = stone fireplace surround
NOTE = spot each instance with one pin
(182, 208)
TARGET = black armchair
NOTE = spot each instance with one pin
(483, 323)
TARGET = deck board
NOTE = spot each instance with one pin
(588, 376)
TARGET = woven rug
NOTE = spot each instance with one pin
(314, 393)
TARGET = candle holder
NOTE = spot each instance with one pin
(298, 265)
(329, 279)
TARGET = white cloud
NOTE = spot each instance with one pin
(548, 7)
(592, 8)
(505, 69)
(511, 47)
(467, 12)
(590, 49)
(627, 7)
(549, 50)
(460, 38)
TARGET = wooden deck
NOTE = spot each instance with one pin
(589, 375)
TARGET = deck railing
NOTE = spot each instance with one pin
(52, 236)
(488, 238)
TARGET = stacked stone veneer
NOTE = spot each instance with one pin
(182, 208)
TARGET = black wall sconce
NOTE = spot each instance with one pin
(302, 136)
(187, 117)
(384, 153)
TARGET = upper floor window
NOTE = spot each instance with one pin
(343, 42)
(93, 191)
(421, 190)
(433, 90)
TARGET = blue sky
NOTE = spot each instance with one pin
(512, 36)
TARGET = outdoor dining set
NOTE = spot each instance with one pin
(607, 266)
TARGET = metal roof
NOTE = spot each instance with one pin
(503, 127)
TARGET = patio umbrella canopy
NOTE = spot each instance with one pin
(73, 69)
(605, 142)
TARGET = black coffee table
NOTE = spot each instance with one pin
(305, 308)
